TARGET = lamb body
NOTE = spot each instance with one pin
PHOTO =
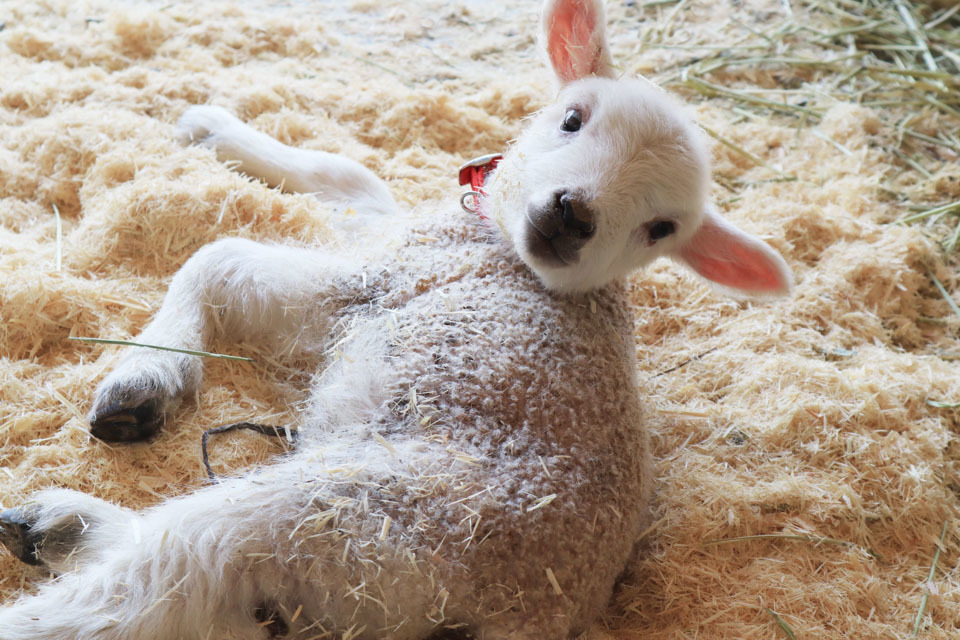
(481, 475)
(545, 460)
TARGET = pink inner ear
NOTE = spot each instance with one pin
(723, 254)
(569, 45)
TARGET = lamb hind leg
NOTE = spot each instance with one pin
(333, 178)
(194, 569)
(252, 558)
(238, 288)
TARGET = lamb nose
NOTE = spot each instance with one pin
(577, 216)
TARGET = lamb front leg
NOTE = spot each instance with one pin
(333, 178)
(236, 288)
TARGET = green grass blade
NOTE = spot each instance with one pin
(782, 623)
(189, 352)
(946, 295)
(943, 405)
(926, 591)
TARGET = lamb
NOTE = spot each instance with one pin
(473, 460)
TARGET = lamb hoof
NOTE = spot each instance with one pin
(271, 619)
(16, 536)
(201, 124)
(454, 633)
(126, 424)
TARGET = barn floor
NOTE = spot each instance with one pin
(822, 422)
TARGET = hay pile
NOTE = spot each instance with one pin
(821, 422)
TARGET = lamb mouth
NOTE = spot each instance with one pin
(552, 252)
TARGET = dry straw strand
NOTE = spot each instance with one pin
(794, 537)
(757, 160)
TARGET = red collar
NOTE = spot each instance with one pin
(475, 173)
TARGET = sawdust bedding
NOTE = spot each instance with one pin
(813, 418)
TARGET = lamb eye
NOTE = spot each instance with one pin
(661, 229)
(572, 121)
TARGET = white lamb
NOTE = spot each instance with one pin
(474, 461)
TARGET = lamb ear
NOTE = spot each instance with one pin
(724, 254)
(574, 36)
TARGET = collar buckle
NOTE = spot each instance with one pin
(475, 173)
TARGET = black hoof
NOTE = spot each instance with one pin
(125, 424)
(268, 617)
(452, 633)
(16, 536)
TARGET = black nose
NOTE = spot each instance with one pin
(560, 227)
(565, 215)
(577, 217)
